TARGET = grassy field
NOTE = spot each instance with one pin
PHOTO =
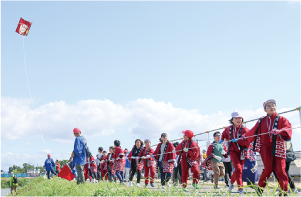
(22, 182)
(62, 187)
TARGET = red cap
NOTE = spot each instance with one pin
(48, 155)
(188, 133)
(76, 130)
(104, 151)
(125, 151)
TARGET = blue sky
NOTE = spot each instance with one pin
(123, 70)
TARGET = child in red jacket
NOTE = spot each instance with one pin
(190, 153)
(236, 148)
(149, 163)
(274, 130)
(118, 161)
(166, 158)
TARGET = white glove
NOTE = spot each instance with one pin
(133, 157)
(175, 164)
(147, 156)
(174, 151)
(117, 158)
(218, 158)
(185, 149)
(223, 152)
(143, 157)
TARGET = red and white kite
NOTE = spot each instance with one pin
(23, 27)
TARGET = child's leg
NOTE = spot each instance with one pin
(146, 174)
(196, 173)
(152, 174)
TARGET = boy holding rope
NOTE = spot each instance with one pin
(190, 153)
(215, 154)
(269, 136)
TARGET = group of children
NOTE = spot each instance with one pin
(267, 137)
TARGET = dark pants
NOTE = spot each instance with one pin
(164, 176)
(110, 175)
(98, 172)
(52, 173)
(177, 174)
(119, 174)
(92, 174)
(290, 179)
(228, 171)
(133, 171)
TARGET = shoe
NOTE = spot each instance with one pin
(241, 191)
(216, 187)
(259, 191)
(195, 186)
(145, 185)
(130, 184)
(162, 187)
(167, 185)
(138, 185)
(184, 189)
(231, 186)
(227, 186)
(93, 181)
(152, 184)
(294, 191)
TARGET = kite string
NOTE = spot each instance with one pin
(30, 93)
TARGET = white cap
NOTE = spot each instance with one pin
(269, 101)
(12, 173)
(236, 114)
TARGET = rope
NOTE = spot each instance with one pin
(30, 94)
(227, 140)
(296, 109)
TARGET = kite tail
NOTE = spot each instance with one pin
(30, 94)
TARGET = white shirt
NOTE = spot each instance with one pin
(162, 151)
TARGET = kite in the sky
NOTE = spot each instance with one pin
(23, 27)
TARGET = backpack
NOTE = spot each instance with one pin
(15, 180)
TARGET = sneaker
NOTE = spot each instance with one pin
(241, 191)
(130, 184)
(162, 187)
(295, 191)
(167, 185)
(216, 187)
(184, 189)
(195, 186)
(145, 185)
(138, 185)
(231, 186)
(227, 186)
(93, 181)
(152, 184)
(259, 191)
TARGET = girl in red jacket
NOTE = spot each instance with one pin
(149, 163)
(236, 148)
(166, 157)
(189, 151)
(103, 166)
(119, 160)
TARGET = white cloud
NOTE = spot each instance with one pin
(28, 144)
(145, 118)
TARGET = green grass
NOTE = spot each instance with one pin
(21, 182)
(62, 187)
